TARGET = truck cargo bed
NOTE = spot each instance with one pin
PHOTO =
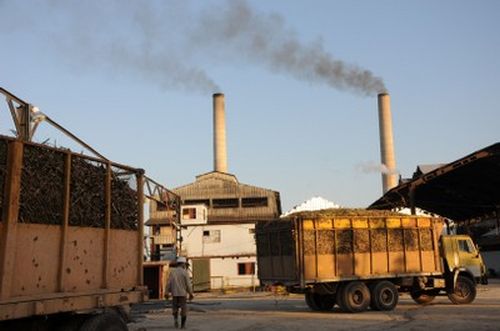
(70, 230)
(337, 245)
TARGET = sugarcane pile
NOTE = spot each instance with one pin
(343, 212)
(329, 241)
(42, 186)
(275, 238)
(42, 191)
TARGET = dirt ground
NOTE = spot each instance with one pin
(265, 311)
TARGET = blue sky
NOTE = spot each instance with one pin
(113, 72)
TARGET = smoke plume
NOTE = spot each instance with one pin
(169, 44)
(373, 167)
(265, 39)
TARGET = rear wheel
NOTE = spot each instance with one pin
(423, 297)
(464, 291)
(319, 302)
(353, 297)
(108, 321)
(384, 296)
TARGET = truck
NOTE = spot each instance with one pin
(359, 259)
(71, 233)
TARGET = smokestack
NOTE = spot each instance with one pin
(389, 178)
(220, 152)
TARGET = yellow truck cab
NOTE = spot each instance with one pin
(463, 268)
(462, 258)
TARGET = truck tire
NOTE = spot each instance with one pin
(464, 291)
(107, 321)
(353, 297)
(318, 302)
(384, 296)
(422, 297)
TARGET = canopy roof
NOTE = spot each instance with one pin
(465, 189)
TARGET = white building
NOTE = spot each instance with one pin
(218, 217)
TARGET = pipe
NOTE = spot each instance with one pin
(220, 151)
(389, 176)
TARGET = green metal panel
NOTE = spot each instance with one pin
(201, 275)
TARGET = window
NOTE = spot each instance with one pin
(254, 202)
(161, 206)
(247, 268)
(189, 213)
(225, 203)
(205, 202)
(464, 246)
(211, 236)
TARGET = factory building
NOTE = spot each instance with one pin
(218, 217)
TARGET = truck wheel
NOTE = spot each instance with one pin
(319, 302)
(354, 297)
(422, 297)
(107, 321)
(384, 296)
(464, 291)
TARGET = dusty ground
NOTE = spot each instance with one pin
(263, 311)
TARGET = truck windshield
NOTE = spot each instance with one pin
(466, 246)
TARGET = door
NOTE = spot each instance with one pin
(469, 256)
(201, 275)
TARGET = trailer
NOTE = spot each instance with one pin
(71, 246)
(359, 259)
(71, 232)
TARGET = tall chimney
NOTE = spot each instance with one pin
(389, 178)
(220, 152)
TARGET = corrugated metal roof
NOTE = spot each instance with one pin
(465, 189)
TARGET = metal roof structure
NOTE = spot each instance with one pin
(229, 201)
(468, 188)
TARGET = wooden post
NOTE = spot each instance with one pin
(107, 225)
(335, 251)
(405, 258)
(12, 193)
(66, 214)
(316, 252)
(140, 227)
(420, 248)
(387, 248)
(370, 244)
(300, 227)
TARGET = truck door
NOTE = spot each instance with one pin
(469, 256)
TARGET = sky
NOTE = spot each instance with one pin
(134, 79)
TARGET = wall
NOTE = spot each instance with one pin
(235, 240)
(237, 245)
(224, 273)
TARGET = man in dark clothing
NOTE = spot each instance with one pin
(179, 285)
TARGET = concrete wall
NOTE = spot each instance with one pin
(235, 240)
(233, 245)
(224, 273)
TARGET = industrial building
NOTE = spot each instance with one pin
(218, 217)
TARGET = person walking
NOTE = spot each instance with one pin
(179, 285)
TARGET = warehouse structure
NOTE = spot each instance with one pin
(466, 191)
